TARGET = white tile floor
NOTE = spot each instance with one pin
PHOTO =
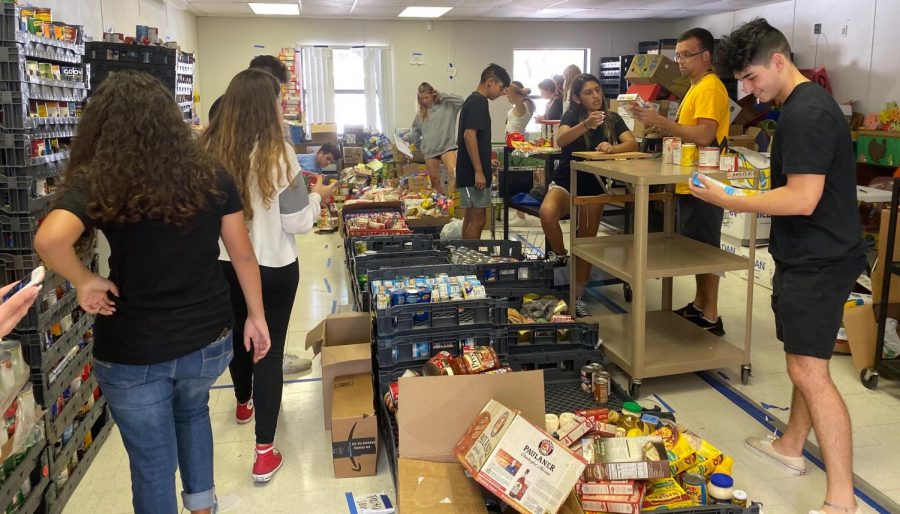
(306, 482)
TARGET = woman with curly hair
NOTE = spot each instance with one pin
(245, 136)
(164, 324)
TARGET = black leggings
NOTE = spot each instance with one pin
(263, 380)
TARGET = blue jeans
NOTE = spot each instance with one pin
(163, 415)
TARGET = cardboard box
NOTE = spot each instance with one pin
(636, 127)
(438, 488)
(353, 155)
(418, 183)
(345, 342)
(764, 265)
(658, 69)
(321, 133)
(434, 414)
(649, 92)
(620, 504)
(354, 427)
(861, 325)
(737, 137)
(521, 464)
(737, 226)
(878, 272)
(617, 487)
(626, 458)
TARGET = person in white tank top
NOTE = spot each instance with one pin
(522, 108)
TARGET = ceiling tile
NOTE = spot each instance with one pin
(221, 8)
(551, 14)
(383, 11)
(466, 12)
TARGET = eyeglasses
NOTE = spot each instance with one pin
(684, 57)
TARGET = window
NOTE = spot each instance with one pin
(531, 66)
(349, 88)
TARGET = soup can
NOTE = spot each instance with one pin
(694, 485)
(438, 365)
(709, 157)
(689, 154)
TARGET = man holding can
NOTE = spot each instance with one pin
(816, 242)
(703, 119)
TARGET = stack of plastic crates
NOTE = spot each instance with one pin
(159, 61)
(43, 87)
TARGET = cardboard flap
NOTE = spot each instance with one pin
(435, 412)
(428, 487)
(315, 337)
(346, 353)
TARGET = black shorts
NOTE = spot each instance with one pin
(699, 220)
(588, 185)
(808, 303)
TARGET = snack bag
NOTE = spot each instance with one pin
(665, 494)
(679, 451)
(707, 455)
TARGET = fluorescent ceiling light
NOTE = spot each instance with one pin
(275, 9)
(424, 12)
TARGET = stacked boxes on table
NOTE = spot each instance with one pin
(45, 84)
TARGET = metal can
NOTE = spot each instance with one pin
(689, 154)
(601, 389)
(440, 364)
(740, 498)
(694, 485)
(398, 297)
(412, 296)
(587, 378)
(423, 296)
(392, 397)
(490, 275)
(477, 360)
(670, 144)
(709, 157)
(421, 350)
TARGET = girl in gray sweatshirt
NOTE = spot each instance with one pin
(434, 130)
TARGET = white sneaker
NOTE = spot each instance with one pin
(293, 363)
(763, 446)
(516, 221)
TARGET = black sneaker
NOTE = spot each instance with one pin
(689, 312)
(716, 328)
(581, 308)
(559, 261)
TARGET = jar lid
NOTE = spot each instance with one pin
(721, 480)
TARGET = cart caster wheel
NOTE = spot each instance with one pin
(745, 374)
(626, 289)
(634, 388)
(869, 378)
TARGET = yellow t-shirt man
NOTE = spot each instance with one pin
(705, 99)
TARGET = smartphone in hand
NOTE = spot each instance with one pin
(35, 278)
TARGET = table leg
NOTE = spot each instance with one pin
(573, 242)
(669, 230)
(638, 287)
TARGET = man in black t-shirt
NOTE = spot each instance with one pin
(816, 242)
(473, 166)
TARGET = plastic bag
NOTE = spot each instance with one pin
(452, 231)
(891, 340)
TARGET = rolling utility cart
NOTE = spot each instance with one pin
(658, 343)
(887, 367)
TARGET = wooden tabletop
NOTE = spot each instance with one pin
(643, 171)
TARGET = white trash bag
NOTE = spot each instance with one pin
(452, 231)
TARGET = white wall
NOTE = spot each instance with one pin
(862, 65)
(226, 46)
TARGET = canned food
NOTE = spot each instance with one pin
(440, 364)
(392, 397)
(421, 350)
(476, 360)
(709, 157)
(694, 485)
(587, 378)
(740, 498)
(490, 275)
(689, 154)
(601, 389)
(398, 297)
(409, 373)
(412, 296)
(669, 146)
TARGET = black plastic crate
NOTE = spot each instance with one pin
(426, 316)
(716, 509)
(492, 247)
(524, 273)
(405, 270)
(20, 195)
(47, 392)
(390, 435)
(165, 73)
(363, 293)
(647, 46)
(551, 337)
(516, 295)
(42, 350)
(17, 234)
(416, 349)
(58, 495)
(101, 51)
(390, 244)
(567, 396)
(560, 365)
(22, 466)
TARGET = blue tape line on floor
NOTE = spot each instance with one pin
(350, 503)
(295, 381)
(327, 285)
(761, 416)
(334, 306)
(328, 263)
(664, 404)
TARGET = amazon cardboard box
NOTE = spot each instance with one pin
(354, 427)
(434, 414)
(345, 343)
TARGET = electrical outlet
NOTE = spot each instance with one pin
(817, 29)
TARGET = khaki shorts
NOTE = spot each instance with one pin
(472, 197)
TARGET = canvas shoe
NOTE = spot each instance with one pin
(243, 414)
(763, 446)
(266, 462)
